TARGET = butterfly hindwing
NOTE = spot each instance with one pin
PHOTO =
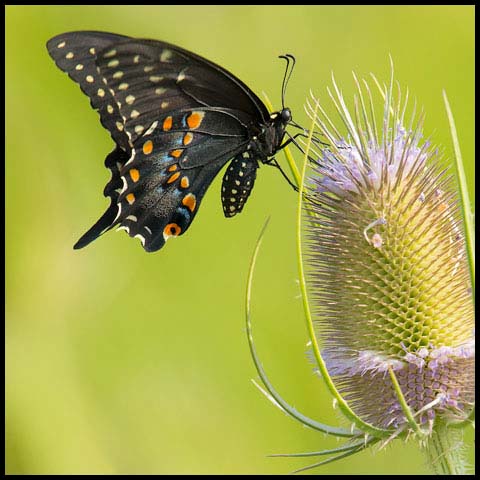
(168, 209)
(171, 167)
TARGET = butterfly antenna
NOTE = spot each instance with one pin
(290, 59)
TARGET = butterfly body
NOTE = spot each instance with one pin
(176, 119)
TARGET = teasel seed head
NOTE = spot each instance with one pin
(386, 264)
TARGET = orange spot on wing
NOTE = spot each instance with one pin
(167, 124)
(172, 230)
(130, 198)
(176, 153)
(148, 147)
(172, 168)
(173, 177)
(195, 119)
(134, 174)
(190, 201)
(184, 182)
(187, 138)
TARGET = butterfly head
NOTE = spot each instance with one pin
(279, 122)
(285, 116)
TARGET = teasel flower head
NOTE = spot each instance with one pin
(386, 266)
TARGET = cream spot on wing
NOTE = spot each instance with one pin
(153, 126)
(110, 53)
(119, 205)
(165, 55)
(142, 238)
(181, 76)
(132, 157)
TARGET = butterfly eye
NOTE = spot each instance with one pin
(286, 115)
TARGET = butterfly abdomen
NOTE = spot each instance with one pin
(238, 183)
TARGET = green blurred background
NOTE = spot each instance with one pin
(119, 361)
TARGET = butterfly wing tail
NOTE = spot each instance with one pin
(115, 162)
(104, 224)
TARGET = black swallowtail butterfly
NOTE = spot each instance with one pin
(176, 119)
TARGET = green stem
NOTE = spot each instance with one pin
(445, 451)
(401, 399)
(464, 197)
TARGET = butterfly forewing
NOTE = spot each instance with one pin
(149, 78)
(203, 80)
(76, 53)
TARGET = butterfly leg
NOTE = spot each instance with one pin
(273, 162)
(292, 139)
